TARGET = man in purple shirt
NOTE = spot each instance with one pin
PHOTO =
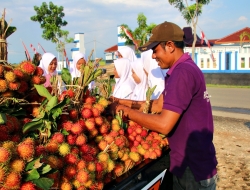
(186, 116)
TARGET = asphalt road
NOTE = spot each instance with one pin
(230, 102)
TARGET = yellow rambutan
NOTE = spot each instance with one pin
(10, 76)
(17, 165)
(111, 165)
(66, 186)
(64, 149)
(25, 150)
(103, 101)
(103, 156)
(135, 156)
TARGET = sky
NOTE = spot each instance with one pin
(99, 19)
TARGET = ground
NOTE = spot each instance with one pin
(232, 143)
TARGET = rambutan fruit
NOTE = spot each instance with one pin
(90, 125)
(86, 113)
(145, 146)
(9, 145)
(104, 128)
(108, 138)
(102, 145)
(120, 141)
(118, 169)
(114, 133)
(70, 171)
(99, 120)
(23, 87)
(158, 152)
(35, 79)
(99, 167)
(76, 128)
(90, 99)
(13, 180)
(128, 164)
(54, 161)
(18, 73)
(152, 154)
(93, 133)
(71, 158)
(3, 85)
(66, 186)
(99, 107)
(144, 133)
(75, 150)
(87, 105)
(91, 166)
(82, 176)
(30, 141)
(58, 137)
(81, 164)
(67, 125)
(13, 85)
(64, 149)
(10, 76)
(28, 186)
(125, 156)
(38, 71)
(5, 155)
(96, 112)
(103, 101)
(85, 149)
(25, 150)
(111, 165)
(76, 184)
(70, 93)
(17, 165)
(73, 114)
(71, 139)
(27, 67)
(113, 148)
(81, 139)
(43, 80)
(39, 150)
(141, 150)
(103, 156)
(52, 146)
(115, 121)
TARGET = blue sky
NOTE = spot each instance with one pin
(98, 20)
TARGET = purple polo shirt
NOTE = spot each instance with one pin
(191, 139)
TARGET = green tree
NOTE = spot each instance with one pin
(190, 13)
(142, 33)
(51, 20)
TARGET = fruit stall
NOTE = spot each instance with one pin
(63, 136)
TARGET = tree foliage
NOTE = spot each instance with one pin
(50, 18)
(190, 13)
(141, 33)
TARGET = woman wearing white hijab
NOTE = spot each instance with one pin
(48, 63)
(140, 79)
(124, 87)
(127, 52)
(78, 60)
(155, 74)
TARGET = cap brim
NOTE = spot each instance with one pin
(148, 46)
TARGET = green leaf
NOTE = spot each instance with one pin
(42, 91)
(31, 164)
(33, 125)
(66, 76)
(44, 183)
(52, 103)
(32, 175)
(65, 132)
(2, 118)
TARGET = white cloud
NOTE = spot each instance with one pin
(134, 3)
(242, 18)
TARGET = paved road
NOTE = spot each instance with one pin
(230, 102)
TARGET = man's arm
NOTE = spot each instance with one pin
(162, 123)
(155, 105)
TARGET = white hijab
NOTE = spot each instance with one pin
(45, 61)
(73, 70)
(141, 88)
(127, 53)
(125, 86)
(156, 75)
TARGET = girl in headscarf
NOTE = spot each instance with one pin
(140, 79)
(48, 63)
(124, 87)
(78, 60)
(127, 52)
(155, 74)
